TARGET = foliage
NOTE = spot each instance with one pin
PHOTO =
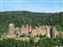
(31, 18)
(42, 42)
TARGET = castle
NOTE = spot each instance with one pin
(28, 30)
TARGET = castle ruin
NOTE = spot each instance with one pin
(27, 30)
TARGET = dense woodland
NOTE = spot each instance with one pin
(34, 19)
(42, 42)
(31, 18)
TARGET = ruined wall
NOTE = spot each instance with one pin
(11, 29)
(24, 29)
(18, 32)
(41, 30)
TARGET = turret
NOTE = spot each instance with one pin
(11, 29)
(53, 32)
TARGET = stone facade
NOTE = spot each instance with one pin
(24, 29)
(53, 32)
(17, 31)
(11, 31)
(41, 30)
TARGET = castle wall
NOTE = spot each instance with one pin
(34, 32)
(24, 30)
(48, 31)
(41, 30)
(18, 33)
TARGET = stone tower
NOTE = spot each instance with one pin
(48, 31)
(53, 32)
(11, 29)
(18, 33)
(30, 29)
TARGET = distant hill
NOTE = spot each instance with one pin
(33, 18)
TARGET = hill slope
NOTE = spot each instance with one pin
(33, 18)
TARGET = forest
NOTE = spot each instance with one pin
(42, 42)
(31, 18)
(34, 19)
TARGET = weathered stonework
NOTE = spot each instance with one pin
(11, 29)
(41, 30)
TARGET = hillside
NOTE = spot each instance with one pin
(33, 18)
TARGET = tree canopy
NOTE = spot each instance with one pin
(31, 18)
